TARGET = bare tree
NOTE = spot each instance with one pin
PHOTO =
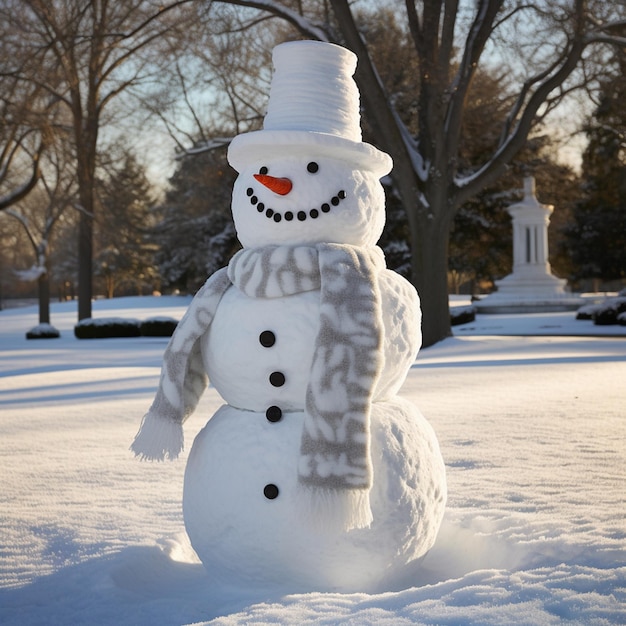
(549, 47)
(23, 127)
(220, 86)
(85, 53)
(39, 214)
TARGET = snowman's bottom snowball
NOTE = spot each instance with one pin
(244, 538)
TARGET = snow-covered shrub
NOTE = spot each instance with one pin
(605, 317)
(587, 311)
(107, 327)
(158, 327)
(462, 315)
(604, 313)
(43, 331)
(608, 312)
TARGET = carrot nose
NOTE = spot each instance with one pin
(281, 186)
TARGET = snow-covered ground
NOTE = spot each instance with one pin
(532, 428)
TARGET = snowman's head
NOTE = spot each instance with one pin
(309, 199)
(307, 177)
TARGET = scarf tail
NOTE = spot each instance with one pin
(335, 469)
(183, 379)
(158, 438)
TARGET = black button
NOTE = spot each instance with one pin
(270, 491)
(277, 379)
(267, 338)
(274, 414)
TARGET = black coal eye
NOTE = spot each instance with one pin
(263, 171)
(312, 167)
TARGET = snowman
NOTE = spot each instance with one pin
(314, 474)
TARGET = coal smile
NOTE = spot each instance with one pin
(288, 216)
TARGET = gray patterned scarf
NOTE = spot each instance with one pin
(335, 445)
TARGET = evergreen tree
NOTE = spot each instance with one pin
(195, 232)
(597, 237)
(125, 247)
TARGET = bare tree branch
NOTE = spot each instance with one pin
(296, 19)
(26, 187)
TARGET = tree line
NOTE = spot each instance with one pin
(460, 95)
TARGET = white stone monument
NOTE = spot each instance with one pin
(531, 287)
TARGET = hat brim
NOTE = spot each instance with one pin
(258, 145)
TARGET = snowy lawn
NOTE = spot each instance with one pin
(532, 428)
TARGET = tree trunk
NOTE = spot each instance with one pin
(110, 285)
(43, 287)
(85, 254)
(429, 243)
(86, 141)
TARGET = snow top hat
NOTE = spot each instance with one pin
(313, 109)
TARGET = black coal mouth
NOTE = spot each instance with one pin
(289, 216)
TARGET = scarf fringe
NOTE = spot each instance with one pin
(335, 509)
(158, 438)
